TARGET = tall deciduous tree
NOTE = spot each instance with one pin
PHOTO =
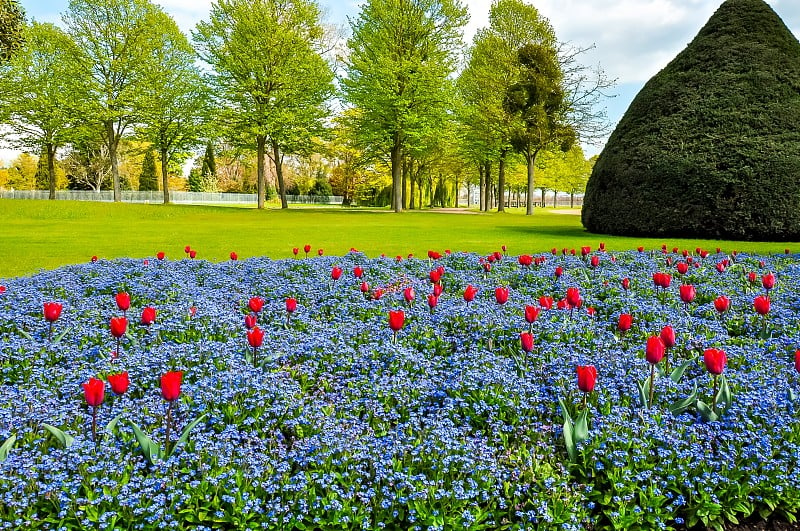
(119, 43)
(176, 100)
(40, 94)
(269, 75)
(402, 53)
(12, 23)
(492, 69)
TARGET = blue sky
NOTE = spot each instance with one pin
(633, 39)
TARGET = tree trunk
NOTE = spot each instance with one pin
(51, 169)
(481, 188)
(487, 201)
(456, 192)
(164, 175)
(405, 183)
(413, 183)
(555, 199)
(397, 174)
(543, 192)
(572, 200)
(501, 183)
(111, 140)
(261, 142)
(531, 160)
(278, 159)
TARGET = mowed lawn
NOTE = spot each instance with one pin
(47, 234)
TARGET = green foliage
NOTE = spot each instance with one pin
(208, 170)
(12, 28)
(42, 177)
(195, 180)
(147, 179)
(321, 187)
(709, 147)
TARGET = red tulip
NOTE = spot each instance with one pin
(364, 287)
(438, 289)
(192, 254)
(291, 305)
(682, 268)
(487, 266)
(715, 360)
(52, 310)
(2, 289)
(409, 295)
(546, 302)
(625, 322)
(160, 255)
(797, 360)
(559, 271)
(722, 303)
(688, 293)
(626, 283)
(587, 377)
(320, 252)
(148, 315)
(526, 341)
(433, 300)
(721, 267)
(336, 273)
(171, 385)
(562, 304)
(531, 313)
(358, 272)
(768, 281)
(396, 319)
(187, 249)
(94, 259)
(752, 277)
(377, 294)
(585, 250)
(118, 326)
(595, 261)
(525, 260)
(640, 248)
(470, 292)
(255, 337)
(761, 304)
(256, 304)
(250, 320)
(119, 382)
(295, 251)
(435, 276)
(94, 391)
(591, 311)
(574, 297)
(654, 351)
(123, 301)
(668, 337)
(501, 295)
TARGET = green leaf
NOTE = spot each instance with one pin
(706, 412)
(150, 449)
(185, 433)
(677, 373)
(112, 425)
(6, 446)
(131, 338)
(565, 410)
(64, 438)
(581, 428)
(60, 336)
(644, 392)
(569, 441)
(792, 395)
(24, 334)
(724, 395)
(682, 405)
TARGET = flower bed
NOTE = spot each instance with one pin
(338, 418)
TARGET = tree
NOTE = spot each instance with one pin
(208, 170)
(269, 74)
(147, 179)
(401, 55)
(492, 70)
(176, 101)
(41, 96)
(12, 24)
(86, 162)
(22, 172)
(119, 43)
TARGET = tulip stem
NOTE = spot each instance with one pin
(652, 384)
(714, 396)
(584, 400)
(169, 422)
(255, 356)
(50, 332)
(94, 424)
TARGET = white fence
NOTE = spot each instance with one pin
(184, 198)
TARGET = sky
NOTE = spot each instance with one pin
(632, 39)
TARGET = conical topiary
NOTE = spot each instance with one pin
(710, 147)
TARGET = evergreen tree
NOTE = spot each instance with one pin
(208, 171)
(147, 180)
(195, 180)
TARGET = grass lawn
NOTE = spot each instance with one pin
(47, 234)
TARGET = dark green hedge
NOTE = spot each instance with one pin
(710, 147)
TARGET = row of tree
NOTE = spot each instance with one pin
(261, 76)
